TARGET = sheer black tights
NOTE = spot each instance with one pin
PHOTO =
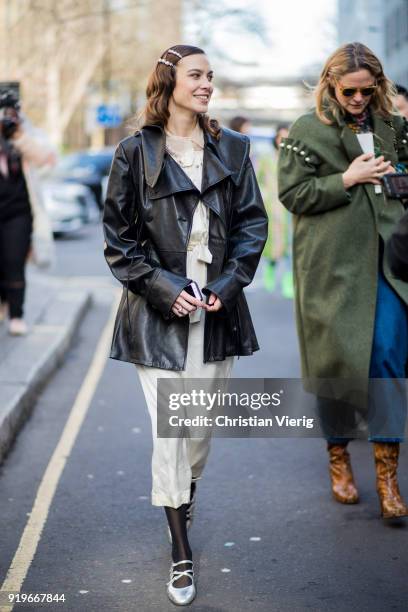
(181, 550)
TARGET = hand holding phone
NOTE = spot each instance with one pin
(183, 305)
(194, 290)
(396, 185)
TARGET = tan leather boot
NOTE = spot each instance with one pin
(386, 463)
(341, 475)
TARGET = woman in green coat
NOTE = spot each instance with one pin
(351, 311)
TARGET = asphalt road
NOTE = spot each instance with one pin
(267, 535)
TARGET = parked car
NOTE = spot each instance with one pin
(70, 206)
(88, 168)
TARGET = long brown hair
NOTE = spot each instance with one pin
(160, 86)
(351, 58)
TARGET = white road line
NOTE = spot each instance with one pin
(32, 532)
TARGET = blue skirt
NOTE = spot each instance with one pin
(387, 405)
(389, 357)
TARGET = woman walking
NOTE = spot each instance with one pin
(183, 205)
(351, 311)
(21, 209)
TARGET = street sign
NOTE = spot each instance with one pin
(108, 115)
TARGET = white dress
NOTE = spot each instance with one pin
(176, 461)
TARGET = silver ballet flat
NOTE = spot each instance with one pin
(184, 595)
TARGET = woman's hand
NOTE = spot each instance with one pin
(185, 304)
(366, 169)
(214, 303)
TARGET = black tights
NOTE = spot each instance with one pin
(176, 518)
(15, 235)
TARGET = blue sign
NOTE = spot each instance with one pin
(108, 115)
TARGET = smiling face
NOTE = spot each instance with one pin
(194, 87)
(356, 103)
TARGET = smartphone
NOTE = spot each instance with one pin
(194, 290)
(396, 185)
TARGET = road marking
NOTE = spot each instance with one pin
(32, 532)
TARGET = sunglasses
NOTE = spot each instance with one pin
(348, 92)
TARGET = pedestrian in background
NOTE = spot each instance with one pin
(20, 207)
(278, 247)
(183, 205)
(351, 311)
(401, 100)
(278, 244)
(240, 124)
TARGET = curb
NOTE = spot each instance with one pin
(26, 371)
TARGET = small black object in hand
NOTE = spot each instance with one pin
(396, 185)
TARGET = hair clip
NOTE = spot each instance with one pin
(163, 61)
(175, 53)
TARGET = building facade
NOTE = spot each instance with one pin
(362, 21)
(383, 27)
(396, 40)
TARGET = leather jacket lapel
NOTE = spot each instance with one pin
(164, 176)
(172, 179)
(214, 170)
(153, 145)
(234, 167)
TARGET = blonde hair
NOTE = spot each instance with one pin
(351, 58)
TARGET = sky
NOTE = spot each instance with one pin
(300, 33)
(303, 32)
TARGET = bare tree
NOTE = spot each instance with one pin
(206, 18)
(67, 53)
(71, 55)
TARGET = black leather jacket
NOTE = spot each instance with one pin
(147, 221)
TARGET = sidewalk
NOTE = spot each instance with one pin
(54, 310)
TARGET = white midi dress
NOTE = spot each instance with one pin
(176, 461)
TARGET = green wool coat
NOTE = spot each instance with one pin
(336, 241)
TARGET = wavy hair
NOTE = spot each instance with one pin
(352, 57)
(160, 86)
